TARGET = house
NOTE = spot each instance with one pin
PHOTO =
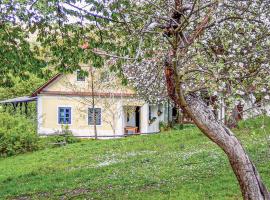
(67, 100)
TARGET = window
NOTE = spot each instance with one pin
(64, 115)
(80, 76)
(97, 116)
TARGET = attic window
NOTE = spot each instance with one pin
(80, 76)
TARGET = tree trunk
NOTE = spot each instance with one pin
(93, 103)
(113, 125)
(247, 175)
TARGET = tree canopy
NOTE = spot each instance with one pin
(224, 48)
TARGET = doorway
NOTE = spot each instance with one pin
(137, 117)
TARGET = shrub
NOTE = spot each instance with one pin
(17, 135)
(164, 126)
(254, 123)
(60, 138)
(178, 127)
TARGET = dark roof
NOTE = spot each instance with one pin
(33, 96)
(19, 100)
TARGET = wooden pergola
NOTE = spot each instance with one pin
(19, 102)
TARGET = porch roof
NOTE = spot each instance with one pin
(133, 102)
(19, 100)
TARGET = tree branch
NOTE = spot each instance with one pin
(94, 15)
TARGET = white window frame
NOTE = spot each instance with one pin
(71, 117)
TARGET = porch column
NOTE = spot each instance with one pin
(120, 124)
(39, 114)
(144, 118)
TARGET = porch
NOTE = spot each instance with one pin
(19, 103)
(132, 120)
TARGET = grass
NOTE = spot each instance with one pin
(170, 165)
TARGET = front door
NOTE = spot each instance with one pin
(137, 117)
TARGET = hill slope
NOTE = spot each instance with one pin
(171, 165)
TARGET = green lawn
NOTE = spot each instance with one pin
(170, 165)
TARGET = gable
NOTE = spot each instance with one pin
(105, 83)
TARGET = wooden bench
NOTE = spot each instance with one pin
(131, 128)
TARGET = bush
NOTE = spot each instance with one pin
(65, 137)
(59, 138)
(17, 135)
(178, 127)
(254, 123)
(164, 126)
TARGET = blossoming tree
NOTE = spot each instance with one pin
(218, 46)
(167, 48)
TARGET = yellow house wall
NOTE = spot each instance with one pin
(48, 114)
(69, 83)
(48, 105)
